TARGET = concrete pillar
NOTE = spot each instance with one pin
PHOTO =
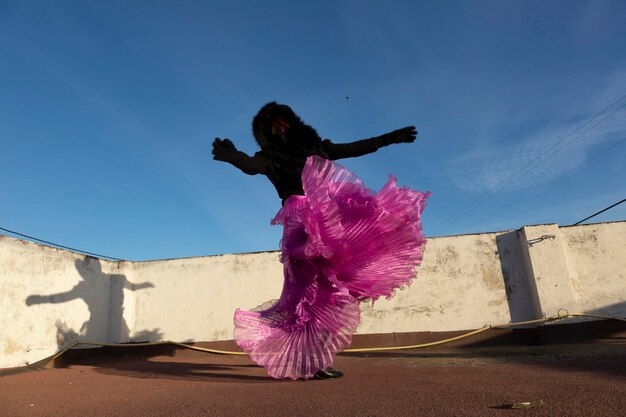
(521, 292)
(546, 264)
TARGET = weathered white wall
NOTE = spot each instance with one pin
(49, 297)
(596, 256)
(193, 299)
(459, 285)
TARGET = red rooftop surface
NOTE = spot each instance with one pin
(583, 379)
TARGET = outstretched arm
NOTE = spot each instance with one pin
(57, 298)
(130, 286)
(365, 146)
(225, 150)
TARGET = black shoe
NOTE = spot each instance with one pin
(328, 373)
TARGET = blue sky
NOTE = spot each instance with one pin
(108, 111)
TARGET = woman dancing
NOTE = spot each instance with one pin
(342, 243)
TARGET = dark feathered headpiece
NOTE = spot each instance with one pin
(275, 121)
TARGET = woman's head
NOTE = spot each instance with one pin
(272, 122)
(277, 126)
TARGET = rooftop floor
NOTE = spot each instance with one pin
(587, 379)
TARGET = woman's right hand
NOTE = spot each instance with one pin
(223, 150)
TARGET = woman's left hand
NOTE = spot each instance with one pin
(404, 135)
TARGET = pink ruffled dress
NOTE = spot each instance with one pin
(342, 244)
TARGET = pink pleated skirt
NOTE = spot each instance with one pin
(342, 244)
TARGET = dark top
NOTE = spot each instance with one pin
(284, 168)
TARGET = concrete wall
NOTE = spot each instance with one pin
(50, 297)
(596, 259)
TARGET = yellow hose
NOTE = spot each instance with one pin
(165, 342)
(422, 345)
(562, 314)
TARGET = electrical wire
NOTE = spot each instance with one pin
(601, 211)
(60, 246)
(455, 217)
(536, 190)
(487, 195)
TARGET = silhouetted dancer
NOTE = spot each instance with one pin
(342, 243)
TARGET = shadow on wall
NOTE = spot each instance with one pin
(614, 310)
(104, 295)
(521, 292)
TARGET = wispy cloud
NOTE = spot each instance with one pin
(529, 160)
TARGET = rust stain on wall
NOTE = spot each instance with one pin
(495, 303)
(53, 264)
(491, 277)
(11, 346)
